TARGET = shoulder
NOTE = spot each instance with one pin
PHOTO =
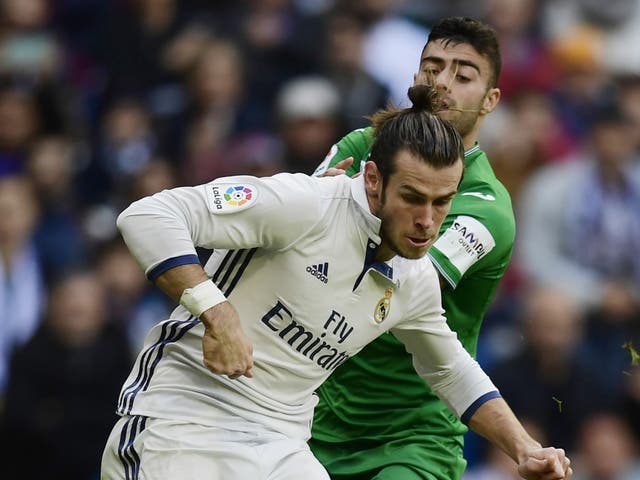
(355, 144)
(483, 198)
(360, 136)
(479, 231)
(420, 275)
(280, 185)
(289, 192)
(412, 272)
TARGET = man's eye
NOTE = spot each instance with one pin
(413, 199)
(463, 79)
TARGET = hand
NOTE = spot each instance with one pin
(226, 348)
(545, 464)
(340, 168)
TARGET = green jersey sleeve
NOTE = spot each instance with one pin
(464, 243)
(477, 235)
(356, 144)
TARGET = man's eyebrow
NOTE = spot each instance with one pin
(441, 61)
(412, 190)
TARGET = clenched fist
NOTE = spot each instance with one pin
(225, 347)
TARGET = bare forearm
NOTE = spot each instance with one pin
(175, 280)
(495, 421)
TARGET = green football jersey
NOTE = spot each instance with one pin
(374, 410)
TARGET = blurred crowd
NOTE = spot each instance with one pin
(104, 102)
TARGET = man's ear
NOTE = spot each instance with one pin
(372, 185)
(490, 101)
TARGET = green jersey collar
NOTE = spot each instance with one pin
(472, 153)
(472, 150)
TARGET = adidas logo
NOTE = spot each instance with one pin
(320, 271)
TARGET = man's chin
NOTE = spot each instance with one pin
(414, 253)
(449, 115)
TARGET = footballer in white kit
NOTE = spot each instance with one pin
(309, 295)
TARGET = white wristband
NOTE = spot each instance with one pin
(201, 297)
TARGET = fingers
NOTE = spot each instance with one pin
(247, 373)
(225, 347)
(562, 464)
(339, 168)
(344, 164)
(546, 464)
(220, 367)
(334, 172)
(568, 471)
(234, 358)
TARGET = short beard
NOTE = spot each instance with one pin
(384, 234)
(464, 123)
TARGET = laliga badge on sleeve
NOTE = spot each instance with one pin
(383, 307)
(230, 197)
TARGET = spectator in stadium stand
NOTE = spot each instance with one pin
(52, 166)
(217, 114)
(550, 380)
(587, 249)
(360, 93)
(22, 294)
(309, 120)
(62, 386)
(606, 449)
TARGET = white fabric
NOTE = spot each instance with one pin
(170, 450)
(465, 242)
(301, 328)
(201, 298)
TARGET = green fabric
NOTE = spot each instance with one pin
(374, 411)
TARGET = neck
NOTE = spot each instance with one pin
(471, 138)
(384, 253)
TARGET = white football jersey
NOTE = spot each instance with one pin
(295, 256)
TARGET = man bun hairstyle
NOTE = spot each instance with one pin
(423, 98)
(416, 129)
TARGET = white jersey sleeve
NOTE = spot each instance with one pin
(450, 371)
(439, 357)
(228, 213)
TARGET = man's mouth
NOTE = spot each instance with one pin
(419, 242)
(446, 105)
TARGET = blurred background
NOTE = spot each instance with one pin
(103, 102)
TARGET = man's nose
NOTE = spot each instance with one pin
(442, 80)
(424, 217)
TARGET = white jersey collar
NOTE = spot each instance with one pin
(359, 194)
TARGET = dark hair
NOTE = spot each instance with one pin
(417, 130)
(479, 35)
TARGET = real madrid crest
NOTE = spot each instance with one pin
(383, 307)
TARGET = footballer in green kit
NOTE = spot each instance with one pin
(376, 418)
